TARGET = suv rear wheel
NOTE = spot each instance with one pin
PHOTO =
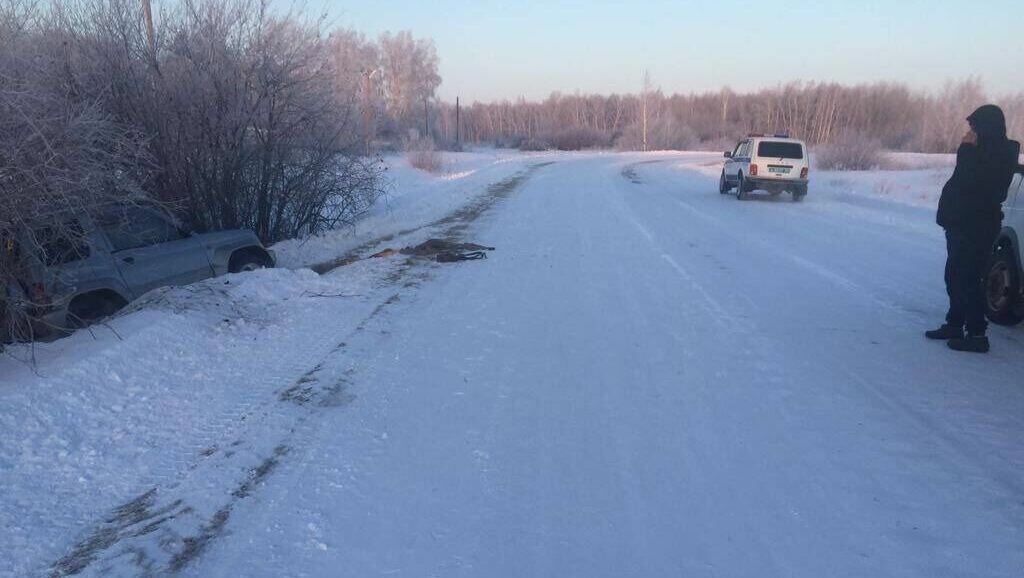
(1002, 288)
(741, 188)
(89, 308)
(247, 260)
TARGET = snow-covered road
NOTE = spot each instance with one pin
(645, 379)
(649, 379)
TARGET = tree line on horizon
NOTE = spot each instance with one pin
(885, 115)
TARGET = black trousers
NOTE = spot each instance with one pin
(967, 254)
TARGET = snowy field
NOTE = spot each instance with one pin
(646, 378)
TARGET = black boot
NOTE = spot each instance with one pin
(946, 332)
(970, 343)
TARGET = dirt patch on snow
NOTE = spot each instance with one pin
(453, 225)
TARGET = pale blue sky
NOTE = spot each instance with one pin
(491, 49)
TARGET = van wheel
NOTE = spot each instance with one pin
(741, 188)
(1002, 288)
(723, 186)
(799, 194)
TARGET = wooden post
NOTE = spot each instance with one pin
(365, 78)
(647, 87)
(645, 122)
(725, 113)
(458, 135)
(147, 16)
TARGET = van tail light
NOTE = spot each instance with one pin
(803, 173)
(753, 170)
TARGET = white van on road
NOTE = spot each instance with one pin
(774, 164)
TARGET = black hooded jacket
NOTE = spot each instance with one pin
(972, 198)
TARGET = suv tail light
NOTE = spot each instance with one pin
(37, 294)
(803, 173)
(753, 170)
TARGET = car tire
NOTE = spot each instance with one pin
(91, 308)
(1002, 288)
(246, 261)
(799, 194)
(723, 186)
(741, 188)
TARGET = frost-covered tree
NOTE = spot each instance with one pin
(410, 77)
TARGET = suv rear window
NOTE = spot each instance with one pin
(61, 244)
(137, 227)
(780, 150)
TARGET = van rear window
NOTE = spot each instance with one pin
(780, 150)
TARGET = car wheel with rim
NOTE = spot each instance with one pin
(740, 188)
(246, 261)
(88, 309)
(1002, 288)
(723, 186)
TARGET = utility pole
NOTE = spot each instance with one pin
(369, 112)
(458, 134)
(647, 85)
(426, 118)
(645, 122)
(725, 111)
(147, 17)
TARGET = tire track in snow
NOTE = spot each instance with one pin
(723, 316)
(165, 533)
(736, 333)
(904, 410)
(840, 281)
(911, 430)
(369, 346)
(984, 467)
(836, 279)
(169, 525)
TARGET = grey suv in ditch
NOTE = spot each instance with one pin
(75, 279)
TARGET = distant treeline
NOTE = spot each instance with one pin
(893, 116)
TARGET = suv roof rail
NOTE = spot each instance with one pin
(775, 135)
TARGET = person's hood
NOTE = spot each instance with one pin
(989, 123)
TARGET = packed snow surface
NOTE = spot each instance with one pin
(646, 378)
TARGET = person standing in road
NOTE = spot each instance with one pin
(970, 211)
